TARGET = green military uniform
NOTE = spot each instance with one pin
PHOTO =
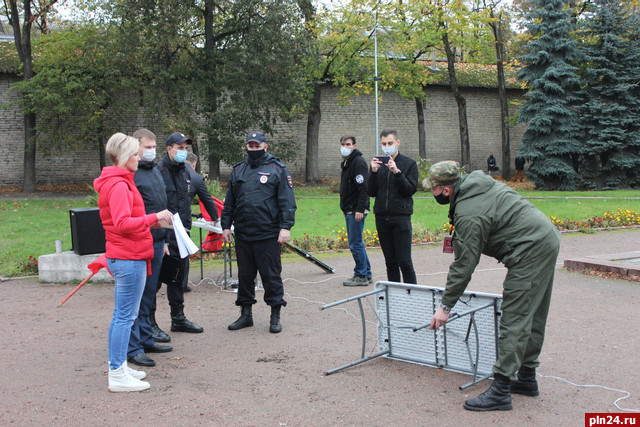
(490, 218)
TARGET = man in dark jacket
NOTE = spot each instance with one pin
(354, 203)
(490, 218)
(261, 207)
(393, 184)
(177, 182)
(151, 186)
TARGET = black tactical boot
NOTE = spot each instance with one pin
(275, 325)
(179, 323)
(245, 320)
(526, 383)
(496, 398)
(158, 334)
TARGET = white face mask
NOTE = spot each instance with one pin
(345, 151)
(148, 155)
(389, 151)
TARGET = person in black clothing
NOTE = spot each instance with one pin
(261, 207)
(177, 182)
(198, 187)
(151, 186)
(393, 185)
(354, 203)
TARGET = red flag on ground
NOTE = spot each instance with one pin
(95, 266)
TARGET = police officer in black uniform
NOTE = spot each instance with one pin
(261, 206)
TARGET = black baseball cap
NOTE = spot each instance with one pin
(178, 138)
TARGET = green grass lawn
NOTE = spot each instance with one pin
(30, 227)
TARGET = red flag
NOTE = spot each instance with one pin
(96, 265)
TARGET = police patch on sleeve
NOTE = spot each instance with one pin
(290, 181)
(359, 178)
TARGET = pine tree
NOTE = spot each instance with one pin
(550, 141)
(611, 110)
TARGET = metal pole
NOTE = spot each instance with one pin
(375, 77)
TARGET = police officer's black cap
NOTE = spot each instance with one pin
(178, 138)
(256, 136)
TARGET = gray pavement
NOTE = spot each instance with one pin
(54, 360)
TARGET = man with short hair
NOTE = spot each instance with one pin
(354, 203)
(177, 181)
(489, 218)
(261, 206)
(151, 187)
(393, 181)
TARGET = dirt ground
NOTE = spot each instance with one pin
(54, 360)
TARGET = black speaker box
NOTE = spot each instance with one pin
(87, 234)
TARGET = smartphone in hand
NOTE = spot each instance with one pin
(383, 159)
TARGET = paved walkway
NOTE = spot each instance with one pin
(54, 361)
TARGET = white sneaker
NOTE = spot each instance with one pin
(121, 380)
(139, 375)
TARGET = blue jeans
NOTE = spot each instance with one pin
(130, 276)
(141, 334)
(354, 234)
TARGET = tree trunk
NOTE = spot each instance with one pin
(504, 104)
(210, 90)
(29, 164)
(465, 158)
(422, 138)
(313, 130)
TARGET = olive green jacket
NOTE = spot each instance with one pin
(492, 219)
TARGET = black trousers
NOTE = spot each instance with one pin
(396, 234)
(259, 256)
(175, 293)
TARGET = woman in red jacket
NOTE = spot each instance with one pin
(129, 249)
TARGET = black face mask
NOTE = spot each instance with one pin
(255, 155)
(442, 199)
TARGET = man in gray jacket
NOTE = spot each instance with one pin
(489, 218)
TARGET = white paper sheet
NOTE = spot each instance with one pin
(185, 244)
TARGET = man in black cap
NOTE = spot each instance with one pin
(177, 182)
(261, 206)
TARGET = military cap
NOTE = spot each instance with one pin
(442, 173)
(256, 136)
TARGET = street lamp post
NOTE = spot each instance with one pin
(375, 77)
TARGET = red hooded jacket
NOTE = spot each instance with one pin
(126, 226)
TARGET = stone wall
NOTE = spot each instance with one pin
(80, 164)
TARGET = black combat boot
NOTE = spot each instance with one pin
(179, 323)
(496, 398)
(158, 334)
(245, 320)
(526, 383)
(275, 325)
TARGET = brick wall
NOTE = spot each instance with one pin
(80, 164)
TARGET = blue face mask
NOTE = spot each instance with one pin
(345, 151)
(180, 156)
(389, 151)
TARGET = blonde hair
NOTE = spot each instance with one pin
(121, 147)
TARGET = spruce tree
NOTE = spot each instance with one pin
(550, 141)
(610, 111)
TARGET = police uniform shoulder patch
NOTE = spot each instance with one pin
(359, 178)
(289, 181)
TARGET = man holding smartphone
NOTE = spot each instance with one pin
(393, 184)
(354, 203)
